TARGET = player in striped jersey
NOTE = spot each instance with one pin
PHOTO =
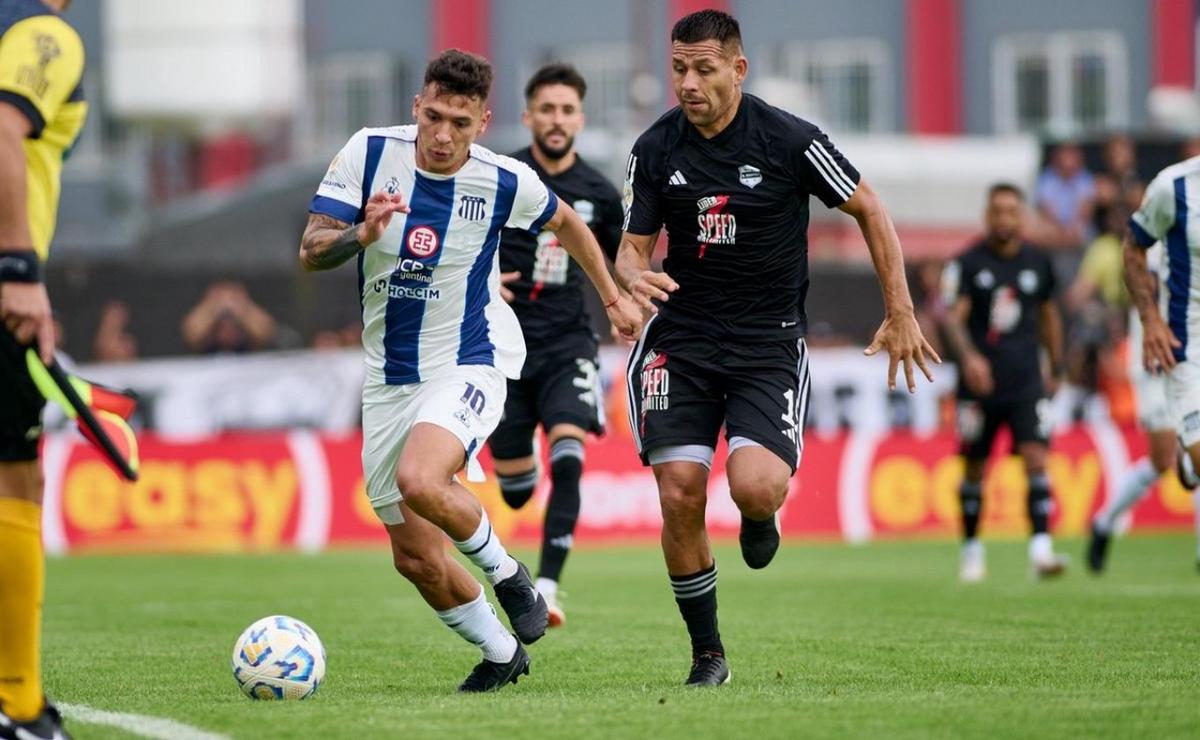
(422, 208)
(1171, 342)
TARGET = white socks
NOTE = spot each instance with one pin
(548, 589)
(476, 622)
(1041, 548)
(484, 550)
(1133, 486)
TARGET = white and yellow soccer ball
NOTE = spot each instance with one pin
(279, 657)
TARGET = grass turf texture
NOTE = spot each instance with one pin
(829, 641)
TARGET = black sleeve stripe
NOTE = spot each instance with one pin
(26, 106)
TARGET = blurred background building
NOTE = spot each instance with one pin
(211, 122)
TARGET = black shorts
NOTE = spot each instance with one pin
(684, 386)
(978, 421)
(21, 404)
(558, 385)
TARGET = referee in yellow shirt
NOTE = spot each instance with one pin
(41, 113)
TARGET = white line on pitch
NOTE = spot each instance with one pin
(156, 728)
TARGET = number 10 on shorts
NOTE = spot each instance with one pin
(474, 398)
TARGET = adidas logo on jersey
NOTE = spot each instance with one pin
(678, 178)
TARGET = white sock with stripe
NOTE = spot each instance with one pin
(1133, 487)
(484, 550)
(477, 623)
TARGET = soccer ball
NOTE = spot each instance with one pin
(279, 658)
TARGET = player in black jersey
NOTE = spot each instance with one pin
(1003, 308)
(730, 177)
(559, 386)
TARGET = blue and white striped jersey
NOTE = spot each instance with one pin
(1170, 213)
(429, 287)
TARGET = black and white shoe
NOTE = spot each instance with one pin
(1097, 552)
(759, 541)
(525, 607)
(709, 669)
(489, 676)
(46, 726)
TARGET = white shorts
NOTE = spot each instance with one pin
(465, 400)
(1150, 392)
(1183, 400)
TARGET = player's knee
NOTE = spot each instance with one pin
(758, 496)
(423, 569)
(418, 486)
(679, 491)
(1162, 458)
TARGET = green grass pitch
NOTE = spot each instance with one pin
(829, 641)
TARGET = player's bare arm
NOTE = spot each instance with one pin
(1050, 332)
(581, 244)
(24, 303)
(1158, 341)
(633, 271)
(976, 370)
(328, 242)
(899, 334)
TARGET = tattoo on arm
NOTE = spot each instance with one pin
(327, 243)
(1139, 281)
(956, 328)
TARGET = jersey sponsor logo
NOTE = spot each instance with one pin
(656, 383)
(586, 210)
(550, 263)
(1028, 281)
(34, 77)
(331, 180)
(749, 175)
(423, 241)
(1005, 313)
(415, 292)
(409, 270)
(472, 207)
(716, 227)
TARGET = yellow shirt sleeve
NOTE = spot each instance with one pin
(41, 63)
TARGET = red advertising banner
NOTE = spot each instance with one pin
(247, 492)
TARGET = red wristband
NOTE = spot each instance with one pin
(612, 303)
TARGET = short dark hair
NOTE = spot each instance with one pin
(457, 72)
(705, 25)
(555, 73)
(1005, 187)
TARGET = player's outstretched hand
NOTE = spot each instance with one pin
(25, 311)
(626, 318)
(901, 338)
(378, 214)
(505, 279)
(650, 286)
(1158, 346)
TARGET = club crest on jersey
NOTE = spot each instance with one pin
(1028, 281)
(749, 175)
(472, 207)
(716, 227)
(423, 241)
(586, 210)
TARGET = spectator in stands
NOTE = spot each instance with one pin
(227, 320)
(1065, 198)
(113, 341)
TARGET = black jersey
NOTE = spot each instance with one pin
(736, 212)
(1006, 296)
(548, 298)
